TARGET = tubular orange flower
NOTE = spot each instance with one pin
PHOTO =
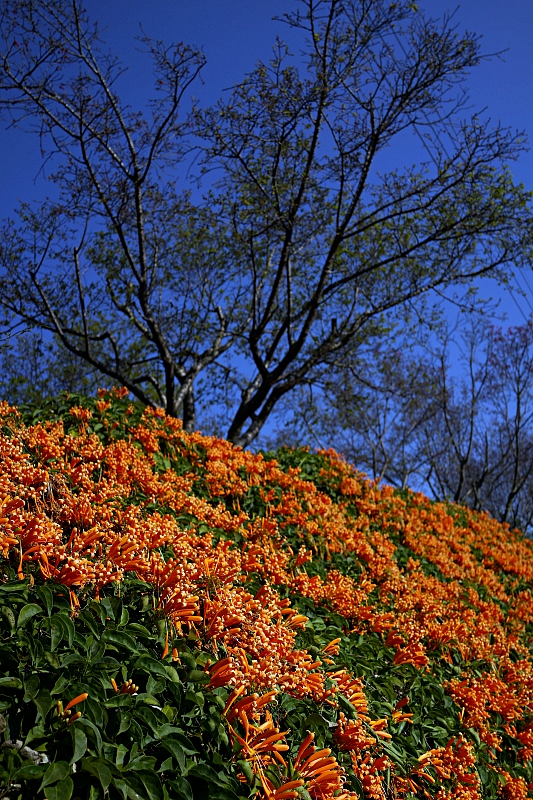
(287, 790)
(127, 688)
(320, 770)
(262, 744)
(352, 735)
(332, 647)
(222, 673)
(79, 699)
(93, 519)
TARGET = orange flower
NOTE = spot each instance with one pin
(320, 770)
(79, 699)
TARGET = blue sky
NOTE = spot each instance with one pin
(234, 34)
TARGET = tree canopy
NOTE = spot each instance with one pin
(298, 249)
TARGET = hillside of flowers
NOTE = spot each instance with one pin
(180, 618)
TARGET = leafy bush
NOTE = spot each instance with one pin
(183, 619)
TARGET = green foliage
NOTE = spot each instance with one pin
(121, 416)
(167, 740)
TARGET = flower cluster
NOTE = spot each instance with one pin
(173, 509)
(455, 763)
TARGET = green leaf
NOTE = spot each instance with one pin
(122, 787)
(60, 685)
(45, 594)
(62, 627)
(393, 751)
(182, 787)
(154, 686)
(121, 639)
(106, 662)
(108, 607)
(122, 752)
(57, 771)
(187, 659)
(176, 749)
(61, 791)
(68, 626)
(168, 732)
(172, 674)
(124, 617)
(119, 701)
(35, 733)
(44, 702)
(146, 699)
(10, 617)
(91, 730)
(134, 627)
(475, 736)
(317, 723)
(86, 617)
(73, 658)
(79, 741)
(207, 773)
(51, 659)
(10, 683)
(151, 666)
(16, 586)
(31, 687)
(197, 676)
(57, 631)
(151, 783)
(99, 610)
(246, 770)
(125, 722)
(197, 698)
(346, 705)
(94, 710)
(146, 716)
(134, 788)
(31, 772)
(27, 612)
(99, 770)
(95, 648)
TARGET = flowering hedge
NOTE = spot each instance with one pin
(180, 618)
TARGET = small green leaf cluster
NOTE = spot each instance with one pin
(167, 740)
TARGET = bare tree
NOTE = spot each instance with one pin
(478, 447)
(374, 412)
(508, 491)
(451, 443)
(302, 249)
(146, 308)
(455, 420)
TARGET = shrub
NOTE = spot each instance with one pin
(184, 619)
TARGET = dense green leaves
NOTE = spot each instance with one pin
(166, 741)
(150, 727)
(122, 746)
